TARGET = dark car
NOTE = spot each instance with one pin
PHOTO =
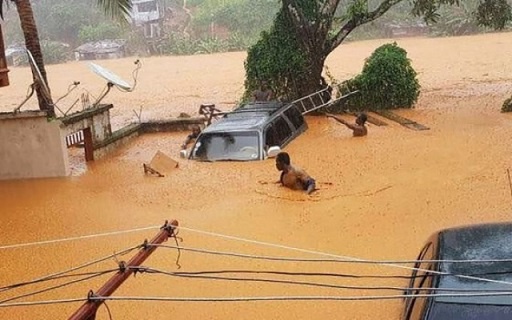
(490, 242)
(253, 131)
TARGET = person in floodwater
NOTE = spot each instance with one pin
(358, 129)
(191, 137)
(293, 177)
(264, 93)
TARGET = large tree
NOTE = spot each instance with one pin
(117, 9)
(292, 54)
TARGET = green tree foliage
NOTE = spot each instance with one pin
(314, 28)
(65, 20)
(101, 31)
(276, 58)
(388, 81)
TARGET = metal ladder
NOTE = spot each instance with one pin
(318, 100)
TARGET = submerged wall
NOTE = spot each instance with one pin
(31, 146)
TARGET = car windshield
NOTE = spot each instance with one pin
(218, 146)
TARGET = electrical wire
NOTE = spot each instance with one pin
(247, 299)
(199, 275)
(42, 302)
(90, 236)
(108, 310)
(53, 275)
(337, 256)
(56, 286)
(300, 298)
(17, 285)
(275, 258)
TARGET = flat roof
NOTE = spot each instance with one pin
(250, 116)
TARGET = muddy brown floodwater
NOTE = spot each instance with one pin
(381, 196)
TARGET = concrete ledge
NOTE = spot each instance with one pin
(119, 134)
(125, 134)
(81, 115)
(118, 138)
(22, 114)
(182, 124)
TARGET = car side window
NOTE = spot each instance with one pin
(295, 117)
(271, 138)
(282, 130)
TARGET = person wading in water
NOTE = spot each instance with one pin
(293, 177)
(358, 129)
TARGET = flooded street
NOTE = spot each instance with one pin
(380, 196)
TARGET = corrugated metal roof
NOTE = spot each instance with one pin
(104, 46)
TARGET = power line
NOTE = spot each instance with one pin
(58, 274)
(17, 285)
(302, 298)
(90, 236)
(57, 286)
(247, 299)
(199, 275)
(285, 259)
(43, 302)
(268, 244)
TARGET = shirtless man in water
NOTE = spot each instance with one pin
(292, 177)
(358, 129)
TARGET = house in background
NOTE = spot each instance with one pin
(148, 14)
(105, 49)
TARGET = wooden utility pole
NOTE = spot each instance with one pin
(4, 79)
(88, 310)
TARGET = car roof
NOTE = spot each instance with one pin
(249, 116)
(477, 242)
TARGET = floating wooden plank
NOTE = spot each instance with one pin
(408, 123)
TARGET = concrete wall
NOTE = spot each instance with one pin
(117, 139)
(98, 119)
(31, 147)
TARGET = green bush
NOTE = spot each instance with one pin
(507, 105)
(102, 31)
(55, 52)
(387, 81)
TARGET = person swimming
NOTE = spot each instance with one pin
(293, 177)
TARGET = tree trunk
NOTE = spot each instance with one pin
(311, 40)
(312, 80)
(28, 25)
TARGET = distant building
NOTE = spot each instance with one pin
(149, 15)
(105, 49)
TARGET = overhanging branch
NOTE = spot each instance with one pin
(302, 25)
(329, 7)
(354, 22)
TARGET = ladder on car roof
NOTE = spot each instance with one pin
(318, 100)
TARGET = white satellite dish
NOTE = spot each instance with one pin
(110, 76)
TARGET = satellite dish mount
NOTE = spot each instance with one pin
(114, 80)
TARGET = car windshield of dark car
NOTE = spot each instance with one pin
(483, 244)
(218, 146)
